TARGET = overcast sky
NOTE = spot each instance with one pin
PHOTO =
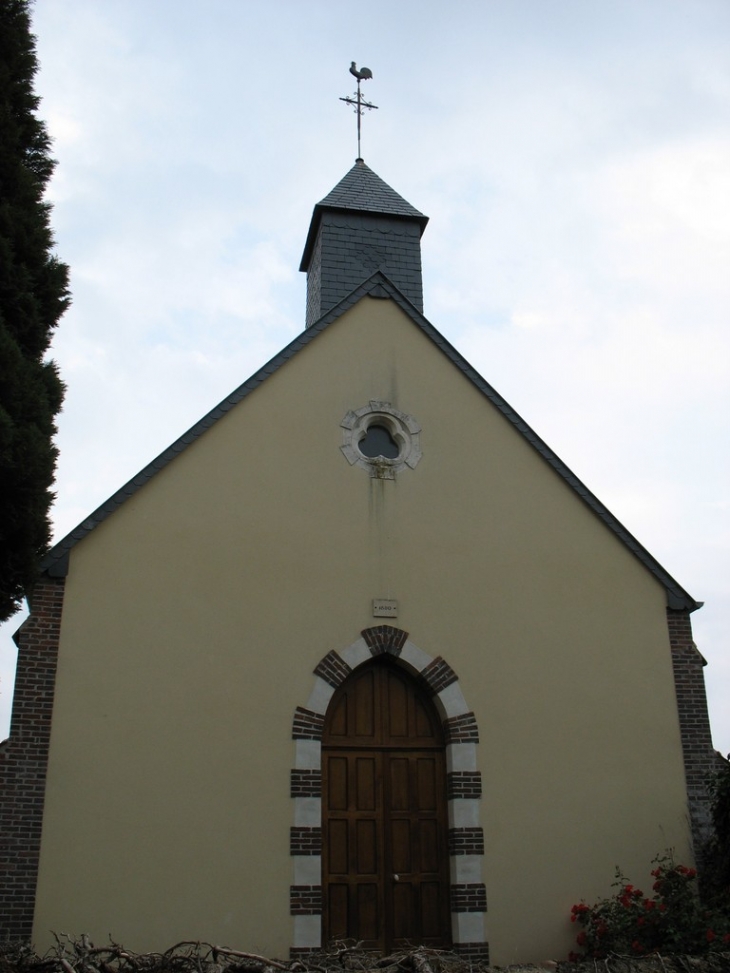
(574, 158)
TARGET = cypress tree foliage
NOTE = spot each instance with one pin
(33, 296)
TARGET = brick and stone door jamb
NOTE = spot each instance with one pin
(468, 899)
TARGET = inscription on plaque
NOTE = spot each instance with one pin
(385, 608)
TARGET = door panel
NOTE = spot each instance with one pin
(337, 784)
(415, 850)
(367, 770)
(431, 911)
(400, 798)
(384, 867)
(338, 847)
(353, 847)
(337, 903)
(365, 707)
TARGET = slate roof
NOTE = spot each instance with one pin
(365, 192)
(378, 286)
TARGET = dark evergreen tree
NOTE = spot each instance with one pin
(33, 296)
(718, 852)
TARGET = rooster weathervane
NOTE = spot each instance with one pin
(356, 100)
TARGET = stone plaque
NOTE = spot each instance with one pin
(385, 608)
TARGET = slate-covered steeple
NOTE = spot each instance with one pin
(361, 226)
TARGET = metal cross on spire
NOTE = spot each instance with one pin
(356, 100)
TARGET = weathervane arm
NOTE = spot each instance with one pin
(353, 101)
(363, 74)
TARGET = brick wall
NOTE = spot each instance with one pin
(383, 639)
(333, 669)
(694, 722)
(461, 729)
(24, 760)
(306, 783)
(466, 841)
(478, 952)
(470, 897)
(305, 841)
(305, 900)
(464, 784)
(438, 674)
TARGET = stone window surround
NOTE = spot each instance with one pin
(403, 428)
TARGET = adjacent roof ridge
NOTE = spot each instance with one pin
(377, 286)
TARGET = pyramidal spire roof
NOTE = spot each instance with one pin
(361, 190)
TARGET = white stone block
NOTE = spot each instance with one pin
(452, 700)
(461, 756)
(414, 656)
(320, 696)
(308, 812)
(307, 870)
(357, 653)
(467, 927)
(307, 931)
(466, 869)
(464, 813)
(308, 755)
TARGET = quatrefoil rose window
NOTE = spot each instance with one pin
(381, 440)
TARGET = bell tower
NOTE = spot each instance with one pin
(360, 227)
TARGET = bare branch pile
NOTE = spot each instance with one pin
(72, 955)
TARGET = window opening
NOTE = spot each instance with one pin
(378, 441)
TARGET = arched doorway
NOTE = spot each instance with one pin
(384, 850)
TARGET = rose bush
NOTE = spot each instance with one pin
(671, 920)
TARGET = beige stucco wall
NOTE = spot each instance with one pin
(195, 615)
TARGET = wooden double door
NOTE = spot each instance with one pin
(385, 860)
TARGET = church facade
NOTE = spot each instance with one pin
(357, 657)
